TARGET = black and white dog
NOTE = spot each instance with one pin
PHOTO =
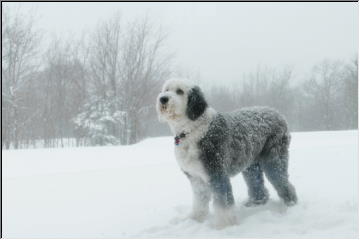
(211, 147)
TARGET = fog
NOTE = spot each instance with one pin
(86, 74)
(219, 42)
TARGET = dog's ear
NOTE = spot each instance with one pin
(196, 104)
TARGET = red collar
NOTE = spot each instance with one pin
(178, 137)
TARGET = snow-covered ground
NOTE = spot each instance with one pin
(138, 191)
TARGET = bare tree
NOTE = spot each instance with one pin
(350, 94)
(104, 57)
(20, 48)
(280, 93)
(323, 90)
(144, 68)
(126, 66)
(64, 86)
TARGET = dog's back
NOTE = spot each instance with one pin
(254, 132)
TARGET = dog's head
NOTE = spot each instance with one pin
(179, 100)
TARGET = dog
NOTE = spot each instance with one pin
(211, 147)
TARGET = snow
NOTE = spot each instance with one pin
(139, 191)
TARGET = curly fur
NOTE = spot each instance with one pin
(218, 146)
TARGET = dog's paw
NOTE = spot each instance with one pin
(198, 216)
(255, 202)
(224, 218)
(290, 203)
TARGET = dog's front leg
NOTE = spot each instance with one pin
(201, 198)
(223, 200)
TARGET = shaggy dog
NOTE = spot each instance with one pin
(211, 147)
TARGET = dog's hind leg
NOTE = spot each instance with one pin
(276, 170)
(254, 179)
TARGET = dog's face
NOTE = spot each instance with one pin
(179, 100)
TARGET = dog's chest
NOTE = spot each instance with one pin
(188, 157)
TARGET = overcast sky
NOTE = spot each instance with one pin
(221, 41)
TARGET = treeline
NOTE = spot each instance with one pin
(325, 100)
(101, 89)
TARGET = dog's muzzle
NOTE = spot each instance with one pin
(164, 100)
(163, 103)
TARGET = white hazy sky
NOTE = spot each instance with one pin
(222, 41)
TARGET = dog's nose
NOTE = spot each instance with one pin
(164, 100)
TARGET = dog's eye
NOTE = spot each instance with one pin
(179, 91)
